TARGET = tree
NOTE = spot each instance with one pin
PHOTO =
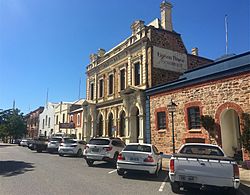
(209, 124)
(12, 124)
(245, 137)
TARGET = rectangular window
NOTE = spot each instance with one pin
(43, 123)
(78, 119)
(57, 119)
(194, 118)
(137, 74)
(161, 120)
(49, 123)
(91, 91)
(63, 118)
(101, 88)
(122, 79)
(111, 83)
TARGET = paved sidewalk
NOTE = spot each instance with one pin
(244, 173)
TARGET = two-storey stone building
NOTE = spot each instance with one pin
(116, 79)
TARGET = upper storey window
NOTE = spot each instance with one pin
(111, 84)
(122, 79)
(91, 91)
(101, 88)
(137, 74)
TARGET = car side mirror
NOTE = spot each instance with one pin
(161, 153)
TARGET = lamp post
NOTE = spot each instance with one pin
(172, 108)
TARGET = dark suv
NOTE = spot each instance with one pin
(103, 149)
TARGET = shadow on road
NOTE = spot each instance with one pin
(13, 168)
(163, 176)
(6, 145)
(104, 165)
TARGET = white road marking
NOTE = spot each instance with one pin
(163, 184)
(112, 171)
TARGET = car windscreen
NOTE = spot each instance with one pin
(139, 148)
(99, 142)
(56, 139)
(70, 141)
(201, 150)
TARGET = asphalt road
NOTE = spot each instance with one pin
(23, 171)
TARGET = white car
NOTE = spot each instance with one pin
(72, 147)
(103, 149)
(24, 142)
(139, 157)
(54, 144)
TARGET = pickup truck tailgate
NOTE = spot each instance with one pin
(204, 171)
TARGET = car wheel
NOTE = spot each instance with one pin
(231, 191)
(61, 154)
(39, 150)
(90, 163)
(120, 172)
(175, 186)
(79, 153)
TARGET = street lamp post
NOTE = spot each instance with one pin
(172, 108)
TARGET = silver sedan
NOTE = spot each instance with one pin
(139, 157)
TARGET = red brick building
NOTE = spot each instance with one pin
(33, 122)
(220, 90)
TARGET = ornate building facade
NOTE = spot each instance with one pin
(117, 79)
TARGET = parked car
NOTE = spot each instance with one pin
(72, 147)
(103, 149)
(54, 144)
(31, 144)
(41, 144)
(203, 166)
(24, 142)
(139, 157)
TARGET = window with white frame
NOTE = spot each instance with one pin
(111, 84)
(92, 91)
(101, 88)
(122, 79)
(78, 119)
(137, 73)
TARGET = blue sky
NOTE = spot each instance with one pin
(45, 44)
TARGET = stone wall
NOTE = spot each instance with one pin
(212, 98)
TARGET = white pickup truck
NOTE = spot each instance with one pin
(203, 166)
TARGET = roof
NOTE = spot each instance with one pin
(220, 69)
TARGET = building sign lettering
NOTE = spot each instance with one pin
(169, 60)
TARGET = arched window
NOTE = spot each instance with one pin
(100, 126)
(110, 124)
(122, 124)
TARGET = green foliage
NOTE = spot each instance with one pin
(245, 137)
(12, 124)
(208, 123)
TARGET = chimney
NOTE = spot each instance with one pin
(166, 16)
(195, 51)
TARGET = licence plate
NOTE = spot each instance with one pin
(134, 159)
(95, 149)
(190, 179)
